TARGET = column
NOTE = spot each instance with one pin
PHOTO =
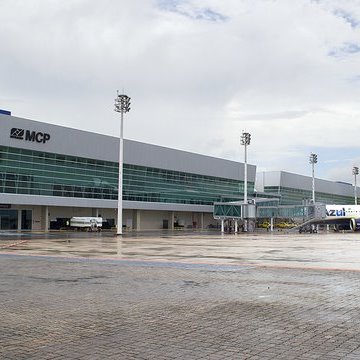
(45, 218)
(202, 221)
(172, 220)
(138, 220)
(19, 220)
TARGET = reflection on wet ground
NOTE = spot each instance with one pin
(323, 250)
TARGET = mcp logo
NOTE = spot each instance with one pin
(28, 135)
(16, 133)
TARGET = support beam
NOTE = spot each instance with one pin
(45, 218)
(19, 220)
(138, 220)
(172, 220)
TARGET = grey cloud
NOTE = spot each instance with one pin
(355, 78)
(347, 49)
(189, 81)
(184, 8)
(333, 161)
(348, 17)
(210, 15)
(169, 5)
(274, 116)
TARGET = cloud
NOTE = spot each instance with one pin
(348, 17)
(355, 78)
(198, 72)
(286, 115)
(186, 9)
(345, 49)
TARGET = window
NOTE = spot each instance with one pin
(33, 172)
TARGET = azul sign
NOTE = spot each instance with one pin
(335, 212)
(28, 135)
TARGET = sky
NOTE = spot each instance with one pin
(199, 72)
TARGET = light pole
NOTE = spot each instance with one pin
(122, 105)
(355, 172)
(245, 140)
(313, 160)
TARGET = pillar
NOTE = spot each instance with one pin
(45, 218)
(19, 220)
(202, 221)
(172, 220)
(137, 220)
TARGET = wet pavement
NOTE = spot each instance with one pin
(280, 249)
(179, 296)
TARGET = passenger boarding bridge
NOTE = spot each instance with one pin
(238, 213)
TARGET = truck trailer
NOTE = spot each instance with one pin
(86, 223)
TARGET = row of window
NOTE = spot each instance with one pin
(33, 159)
(290, 196)
(11, 180)
(22, 172)
(131, 174)
(23, 187)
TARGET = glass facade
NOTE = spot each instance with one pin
(38, 173)
(290, 196)
(9, 219)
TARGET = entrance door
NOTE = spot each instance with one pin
(4, 222)
(8, 219)
(26, 219)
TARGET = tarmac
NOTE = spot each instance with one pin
(179, 296)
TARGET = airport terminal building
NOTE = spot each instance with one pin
(294, 189)
(50, 172)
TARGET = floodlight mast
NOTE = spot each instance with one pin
(245, 141)
(355, 173)
(313, 159)
(122, 105)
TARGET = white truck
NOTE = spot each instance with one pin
(86, 223)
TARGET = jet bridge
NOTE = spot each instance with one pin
(303, 215)
(297, 212)
(235, 212)
(240, 212)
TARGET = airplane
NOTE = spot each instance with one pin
(343, 217)
(347, 217)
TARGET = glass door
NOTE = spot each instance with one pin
(8, 219)
(4, 222)
(26, 219)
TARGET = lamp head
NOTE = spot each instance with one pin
(122, 103)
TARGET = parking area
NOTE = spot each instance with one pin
(179, 296)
